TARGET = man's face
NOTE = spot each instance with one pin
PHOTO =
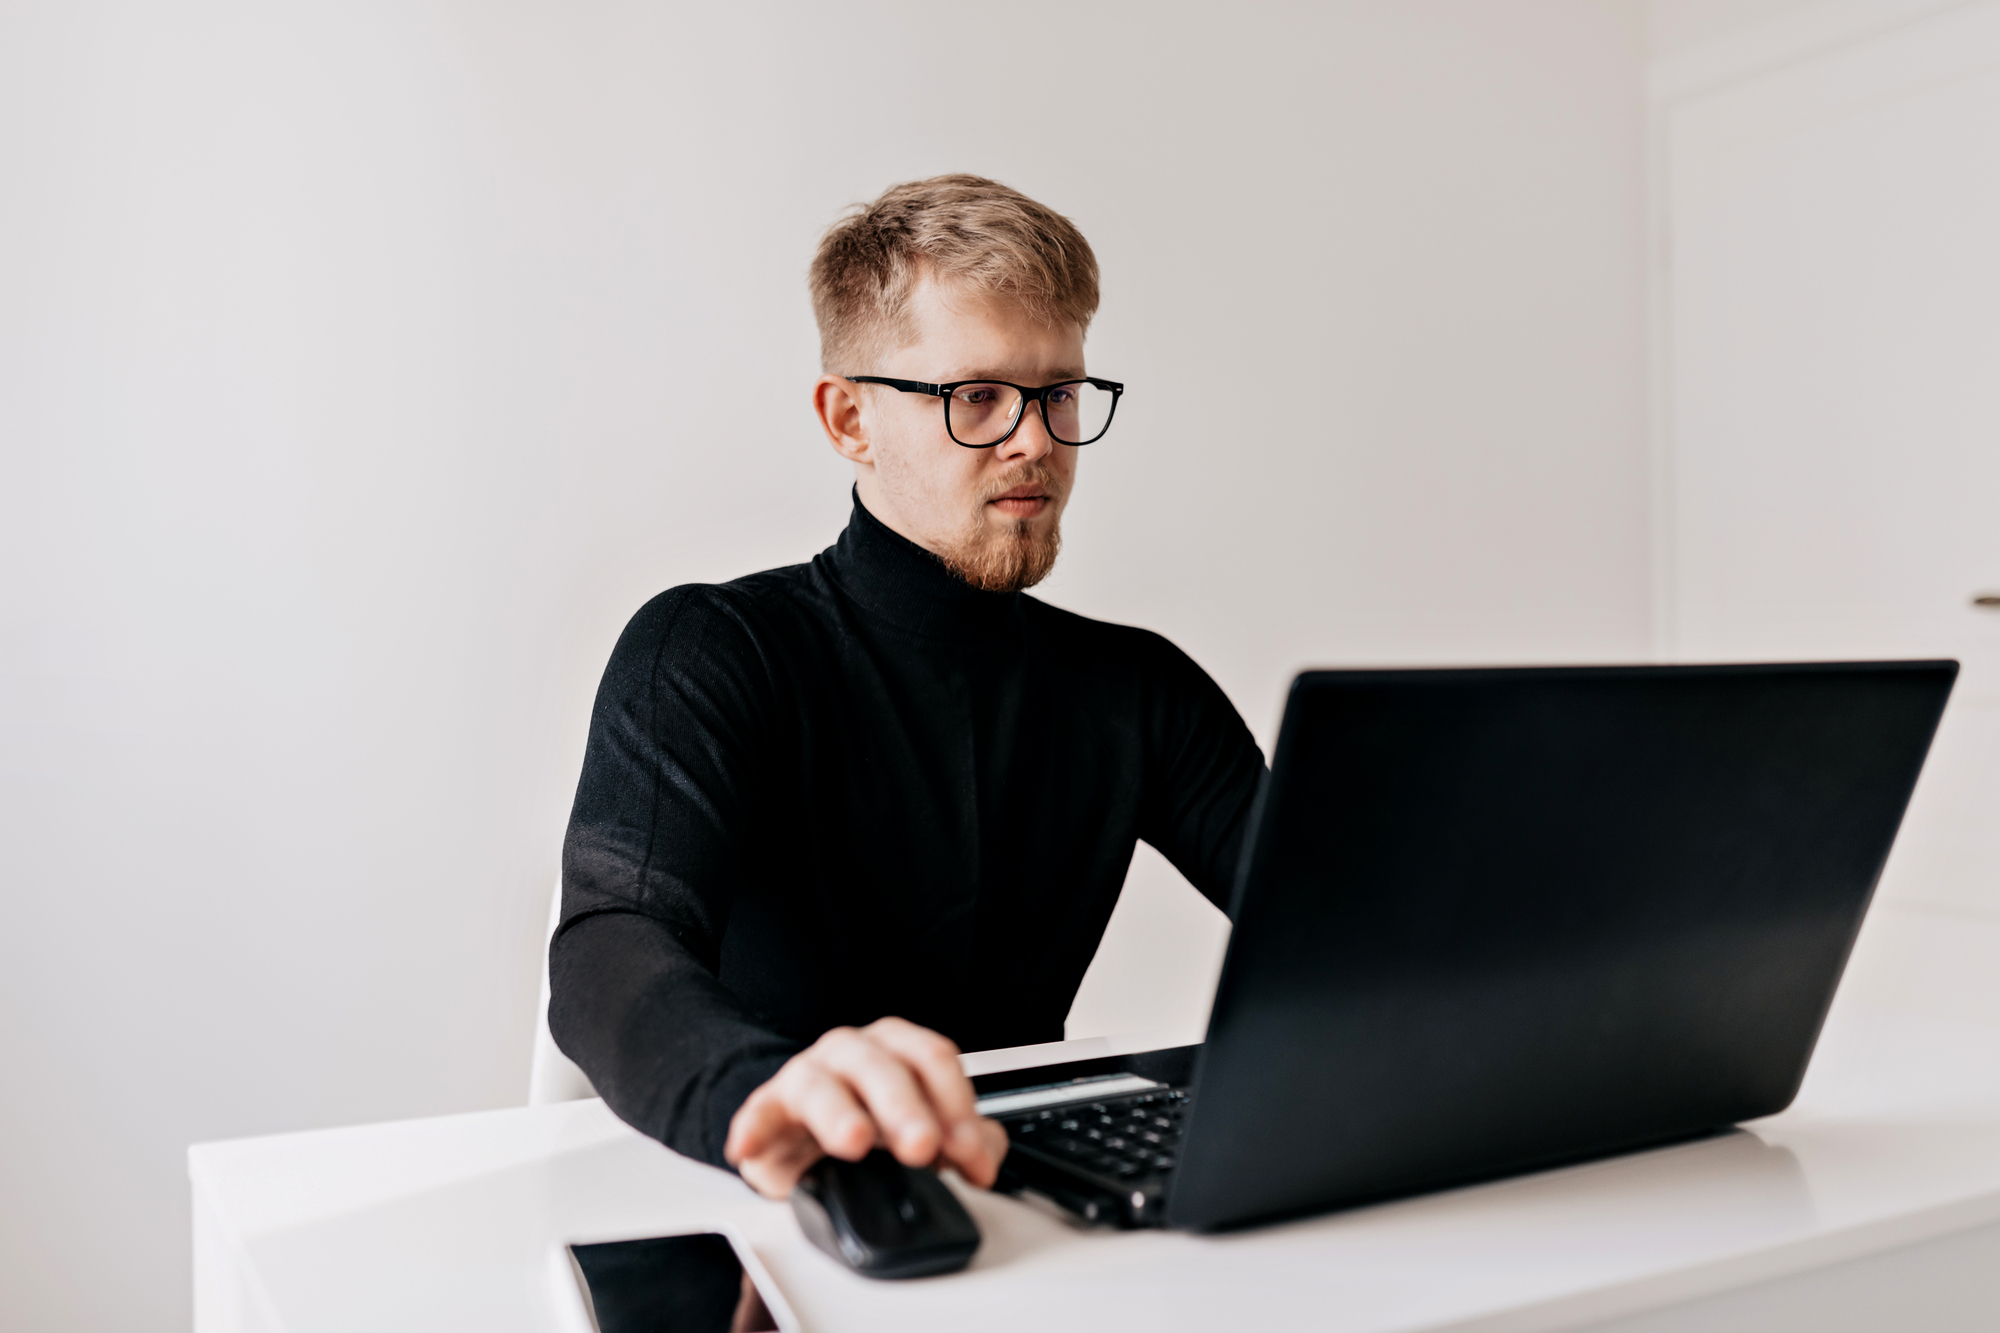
(993, 515)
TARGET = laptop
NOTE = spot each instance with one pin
(1494, 920)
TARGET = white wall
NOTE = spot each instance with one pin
(1678, 26)
(1834, 315)
(363, 365)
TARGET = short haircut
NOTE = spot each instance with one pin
(974, 234)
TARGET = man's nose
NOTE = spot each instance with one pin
(1031, 440)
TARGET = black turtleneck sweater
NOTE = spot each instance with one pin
(859, 787)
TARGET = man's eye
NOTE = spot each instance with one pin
(1062, 397)
(975, 397)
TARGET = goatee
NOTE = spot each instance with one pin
(1019, 555)
(1008, 561)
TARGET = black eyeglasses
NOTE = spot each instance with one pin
(979, 414)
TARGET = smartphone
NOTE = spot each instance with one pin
(696, 1282)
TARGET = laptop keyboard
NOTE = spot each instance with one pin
(1128, 1141)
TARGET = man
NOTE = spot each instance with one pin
(839, 820)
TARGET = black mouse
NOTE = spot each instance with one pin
(884, 1219)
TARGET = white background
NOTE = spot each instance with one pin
(1829, 312)
(364, 365)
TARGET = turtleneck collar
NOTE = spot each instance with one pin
(905, 584)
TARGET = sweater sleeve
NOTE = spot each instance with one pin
(1204, 779)
(649, 866)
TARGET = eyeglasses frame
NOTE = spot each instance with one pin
(1028, 395)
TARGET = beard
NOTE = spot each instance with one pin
(1019, 555)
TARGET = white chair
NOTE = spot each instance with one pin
(553, 1076)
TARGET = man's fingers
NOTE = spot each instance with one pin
(976, 1148)
(768, 1144)
(935, 1060)
(972, 1144)
(756, 1125)
(908, 1122)
(775, 1172)
(894, 1083)
(825, 1104)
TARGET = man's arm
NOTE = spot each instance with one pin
(649, 867)
(678, 738)
(1198, 806)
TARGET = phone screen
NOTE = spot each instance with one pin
(670, 1284)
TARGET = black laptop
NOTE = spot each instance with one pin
(1494, 920)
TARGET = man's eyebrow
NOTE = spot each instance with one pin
(1056, 376)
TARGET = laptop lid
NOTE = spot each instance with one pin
(1490, 920)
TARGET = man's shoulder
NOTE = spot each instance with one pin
(715, 615)
(1126, 645)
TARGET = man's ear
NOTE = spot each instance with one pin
(837, 403)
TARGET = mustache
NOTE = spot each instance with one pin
(1035, 473)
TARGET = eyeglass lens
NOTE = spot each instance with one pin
(982, 414)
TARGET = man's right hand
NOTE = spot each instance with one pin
(891, 1084)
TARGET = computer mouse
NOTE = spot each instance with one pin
(884, 1219)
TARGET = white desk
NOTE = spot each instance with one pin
(1873, 1204)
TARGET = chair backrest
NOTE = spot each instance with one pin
(553, 1076)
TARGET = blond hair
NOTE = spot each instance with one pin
(972, 233)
